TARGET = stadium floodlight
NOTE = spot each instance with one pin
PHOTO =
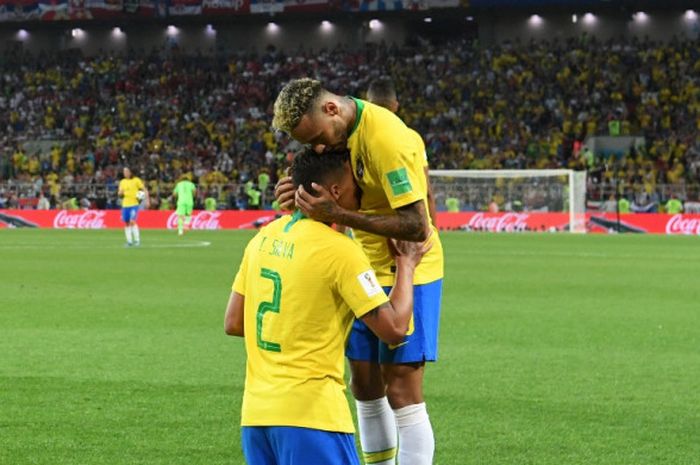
(209, 30)
(640, 17)
(172, 31)
(326, 26)
(535, 20)
(556, 190)
(77, 33)
(117, 33)
(691, 15)
(22, 34)
(574, 18)
(375, 24)
(428, 20)
(272, 27)
(470, 18)
(589, 19)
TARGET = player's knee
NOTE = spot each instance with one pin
(402, 395)
(366, 389)
(404, 386)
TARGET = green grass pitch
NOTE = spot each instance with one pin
(555, 349)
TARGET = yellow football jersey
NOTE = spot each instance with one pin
(388, 160)
(304, 283)
(130, 187)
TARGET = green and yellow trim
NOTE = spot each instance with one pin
(381, 456)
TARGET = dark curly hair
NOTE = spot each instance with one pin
(309, 166)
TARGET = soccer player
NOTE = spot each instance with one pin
(184, 192)
(132, 191)
(294, 298)
(388, 163)
(382, 92)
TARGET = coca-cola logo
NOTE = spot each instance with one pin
(87, 219)
(679, 225)
(201, 220)
(507, 222)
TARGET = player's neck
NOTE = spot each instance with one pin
(350, 112)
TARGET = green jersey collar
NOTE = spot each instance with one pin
(358, 114)
(296, 216)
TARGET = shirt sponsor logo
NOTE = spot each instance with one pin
(369, 283)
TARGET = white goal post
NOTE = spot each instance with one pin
(554, 190)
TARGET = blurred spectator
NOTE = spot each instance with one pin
(623, 205)
(609, 205)
(210, 203)
(452, 204)
(674, 206)
(43, 203)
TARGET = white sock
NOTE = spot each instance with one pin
(416, 440)
(127, 231)
(377, 431)
(137, 236)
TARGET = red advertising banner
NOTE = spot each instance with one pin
(251, 219)
(652, 223)
(503, 222)
(149, 219)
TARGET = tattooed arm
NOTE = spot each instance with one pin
(410, 223)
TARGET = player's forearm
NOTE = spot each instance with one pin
(403, 226)
(401, 295)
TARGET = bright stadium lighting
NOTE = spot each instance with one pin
(22, 35)
(640, 17)
(574, 18)
(117, 33)
(272, 28)
(209, 30)
(589, 19)
(172, 31)
(326, 26)
(470, 18)
(535, 20)
(691, 15)
(428, 20)
(375, 24)
(77, 33)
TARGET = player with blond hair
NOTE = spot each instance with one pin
(388, 164)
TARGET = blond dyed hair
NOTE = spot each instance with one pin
(294, 101)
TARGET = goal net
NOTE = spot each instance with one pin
(514, 191)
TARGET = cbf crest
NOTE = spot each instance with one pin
(359, 169)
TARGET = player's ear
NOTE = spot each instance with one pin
(335, 190)
(330, 108)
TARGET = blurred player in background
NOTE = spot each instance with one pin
(184, 192)
(388, 161)
(132, 191)
(299, 287)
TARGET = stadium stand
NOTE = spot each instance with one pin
(70, 122)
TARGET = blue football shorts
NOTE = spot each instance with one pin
(289, 445)
(419, 345)
(130, 213)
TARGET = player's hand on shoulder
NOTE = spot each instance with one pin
(408, 252)
(321, 207)
(284, 192)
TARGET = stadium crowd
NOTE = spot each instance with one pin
(517, 105)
